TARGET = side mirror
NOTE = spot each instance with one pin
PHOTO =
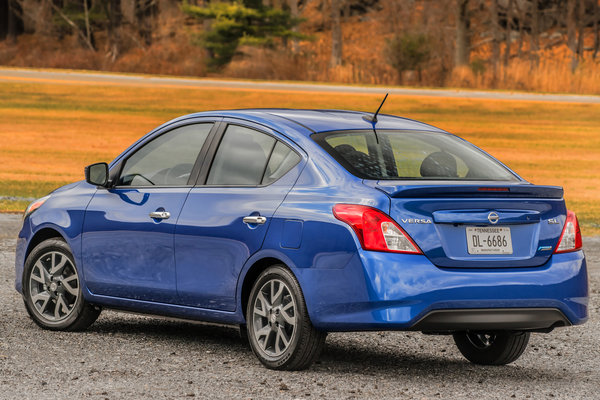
(97, 174)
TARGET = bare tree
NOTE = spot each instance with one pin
(535, 31)
(112, 8)
(293, 4)
(596, 29)
(144, 10)
(73, 25)
(581, 22)
(336, 34)
(9, 24)
(571, 27)
(86, 13)
(462, 50)
(495, 40)
(508, 35)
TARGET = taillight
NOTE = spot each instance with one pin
(375, 230)
(570, 238)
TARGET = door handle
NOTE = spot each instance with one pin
(255, 219)
(160, 214)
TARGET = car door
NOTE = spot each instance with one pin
(225, 217)
(127, 242)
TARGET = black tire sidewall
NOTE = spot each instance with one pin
(504, 350)
(281, 273)
(46, 246)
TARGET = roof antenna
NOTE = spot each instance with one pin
(373, 118)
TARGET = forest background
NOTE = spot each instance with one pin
(533, 45)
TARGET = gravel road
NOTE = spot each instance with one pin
(126, 356)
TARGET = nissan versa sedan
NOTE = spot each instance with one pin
(295, 223)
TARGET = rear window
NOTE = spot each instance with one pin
(411, 155)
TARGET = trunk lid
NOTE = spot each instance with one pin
(478, 224)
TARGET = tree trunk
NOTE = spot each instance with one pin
(336, 34)
(143, 16)
(571, 27)
(346, 7)
(293, 4)
(535, 31)
(462, 50)
(507, 39)
(11, 22)
(495, 41)
(580, 26)
(596, 29)
(88, 32)
(73, 25)
(113, 13)
(521, 15)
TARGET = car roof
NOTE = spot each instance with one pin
(311, 121)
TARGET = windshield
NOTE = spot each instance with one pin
(411, 155)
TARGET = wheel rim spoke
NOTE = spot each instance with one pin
(66, 283)
(481, 340)
(57, 267)
(265, 304)
(283, 336)
(44, 276)
(290, 320)
(60, 306)
(275, 297)
(44, 297)
(277, 341)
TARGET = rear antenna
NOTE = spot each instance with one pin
(373, 118)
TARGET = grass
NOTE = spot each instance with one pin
(49, 132)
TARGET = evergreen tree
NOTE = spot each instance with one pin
(237, 23)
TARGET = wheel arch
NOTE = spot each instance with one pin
(42, 235)
(252, 274)
(254, 266)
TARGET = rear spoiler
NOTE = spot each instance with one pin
(430, 189)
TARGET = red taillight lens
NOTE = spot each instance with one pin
(375, 230)
(570, 238)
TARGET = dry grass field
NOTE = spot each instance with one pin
(49, 132)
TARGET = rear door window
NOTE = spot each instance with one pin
(247, 157)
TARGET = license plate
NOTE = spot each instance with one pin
(489, 240)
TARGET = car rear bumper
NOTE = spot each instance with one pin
(491, 319)
(382, 291)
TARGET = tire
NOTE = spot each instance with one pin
(491, 348)
(277, 314)
(52, 289)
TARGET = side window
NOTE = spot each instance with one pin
(282, 160)
(241, 158)
(167, 160)
(247, 157)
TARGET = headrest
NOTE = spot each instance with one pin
(439, 164)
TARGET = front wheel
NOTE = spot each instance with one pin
(279, 329)
(491, 348)
(52, 289)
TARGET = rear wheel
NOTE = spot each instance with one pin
(279, 329)
(52, 289)
(491, 348)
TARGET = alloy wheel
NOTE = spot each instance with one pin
(274, 318)
(54, 286)
(481, 340)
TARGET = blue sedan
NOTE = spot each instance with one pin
(295, 223)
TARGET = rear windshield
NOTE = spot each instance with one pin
(411, 155)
